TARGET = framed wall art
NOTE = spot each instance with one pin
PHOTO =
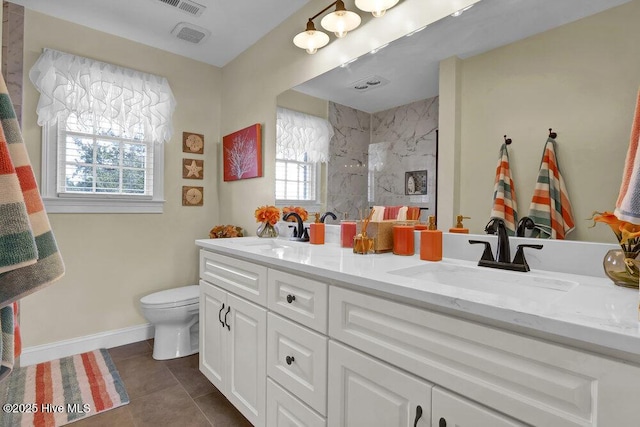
(415, 182)
(192, 169)
(242, 153)
(192, 196)
(192, 143)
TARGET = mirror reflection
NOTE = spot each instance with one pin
(575, 76)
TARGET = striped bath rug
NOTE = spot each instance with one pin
(62, 391)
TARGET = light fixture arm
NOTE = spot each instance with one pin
(327, 8)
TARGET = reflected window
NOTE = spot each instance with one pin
(302, 145)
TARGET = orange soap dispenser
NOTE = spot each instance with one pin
(431, 242)
(459, 228)
(316, 231)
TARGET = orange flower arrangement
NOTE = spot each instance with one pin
(269, 214)
(222, 231)
(300, 211)
(628, 234)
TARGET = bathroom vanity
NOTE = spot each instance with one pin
(315, 335)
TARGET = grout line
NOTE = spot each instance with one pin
(192, 399)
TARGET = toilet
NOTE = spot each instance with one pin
(174, 313)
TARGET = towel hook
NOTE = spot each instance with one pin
(507, 140)
(552, 134)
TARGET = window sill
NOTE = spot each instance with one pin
(86, 205)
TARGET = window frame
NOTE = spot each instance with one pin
(95, 203)
(311, 205)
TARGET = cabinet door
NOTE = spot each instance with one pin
(246, 386)
(213, 334)
(448, 409)
(367, 392)
(284, 410)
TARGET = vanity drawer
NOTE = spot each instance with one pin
(534, 381)
(297, 359)
(243, 278)
(299, 299)
(284, 410)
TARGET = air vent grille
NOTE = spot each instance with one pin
(187, 6)
(191, 33)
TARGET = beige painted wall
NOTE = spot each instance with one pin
(580, 79)
(113, 260)
(253, 80)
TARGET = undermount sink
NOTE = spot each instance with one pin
(533, 287)
(261, 243)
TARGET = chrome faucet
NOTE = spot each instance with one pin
(300, 234)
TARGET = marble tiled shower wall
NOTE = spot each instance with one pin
(402, 139)
(347, 167)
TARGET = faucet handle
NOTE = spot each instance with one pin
(519, 259)
(486, 254)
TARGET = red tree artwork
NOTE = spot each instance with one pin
(242, 153)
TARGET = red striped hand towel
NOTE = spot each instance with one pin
(550, 207)
(628, 203)
(504, 193)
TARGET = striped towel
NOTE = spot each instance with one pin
(628, 203)
(550, 207)
(9, 338)
(504, 193)
(21, 276)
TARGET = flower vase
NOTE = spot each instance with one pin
(622, 268)
(266, 229)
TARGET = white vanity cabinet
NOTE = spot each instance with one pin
(288, 350)
(233, 336)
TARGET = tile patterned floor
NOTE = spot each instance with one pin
(165, 393)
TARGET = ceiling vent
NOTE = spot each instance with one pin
(190, 33)
(368, 83)
(187, 6)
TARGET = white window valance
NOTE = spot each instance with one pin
(300, 134)
(74, 84)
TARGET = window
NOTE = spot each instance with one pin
(91, 165)
(296, 180)
(302, 144)
(103, 126)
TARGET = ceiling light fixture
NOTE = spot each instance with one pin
(376, 7)
(311, 39)
(339, 22)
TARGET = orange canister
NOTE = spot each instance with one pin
(403, 240)
(347, 233)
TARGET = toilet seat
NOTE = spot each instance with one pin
(170, 298)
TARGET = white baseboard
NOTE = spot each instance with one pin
(109, 339)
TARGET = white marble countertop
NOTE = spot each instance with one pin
(592, 314)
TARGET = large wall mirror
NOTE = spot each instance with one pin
(523, 67)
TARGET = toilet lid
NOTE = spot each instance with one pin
(176, 297)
